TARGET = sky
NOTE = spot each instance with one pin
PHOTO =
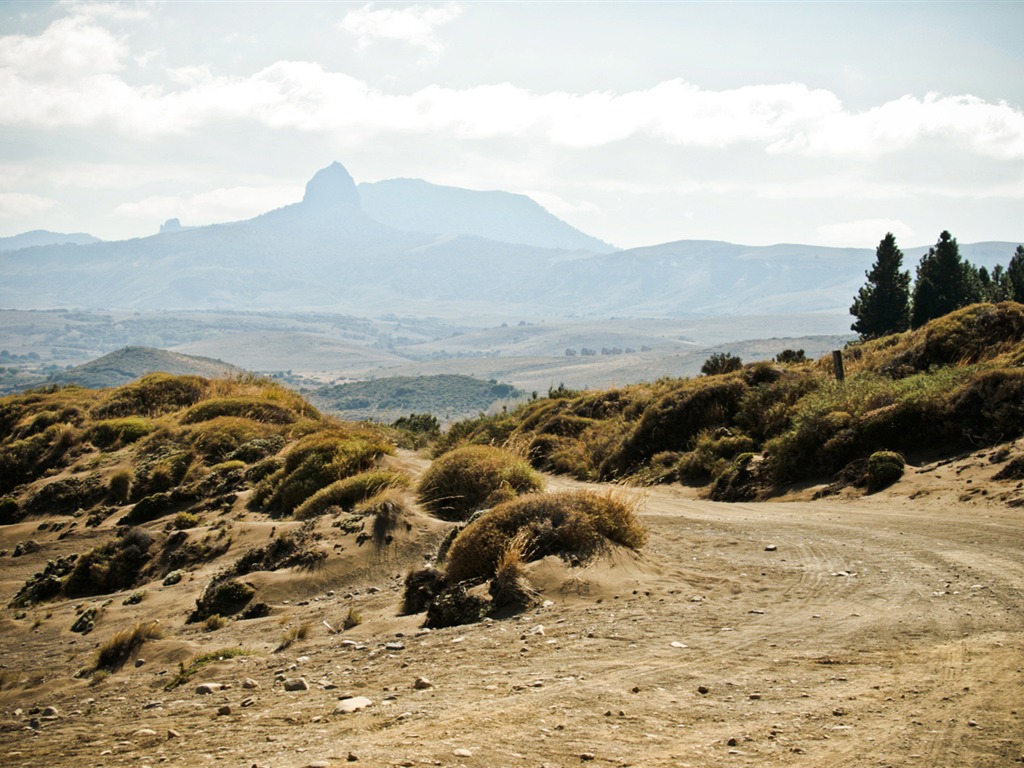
(826, 123)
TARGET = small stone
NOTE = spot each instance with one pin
(250, 684)
(152, 704)
(319, 764)
(838, 711)
(173, 734)
(972, 723)
(770, 548)
(755, 696)
(703, 689)
(248, 702)
(49, 713)
(205, 689)
(352, 758)
(224, 709)
(354, 704)
(636, 689)
(422, 684)
(143, 733)
(139, 663)
(587, 756)
(296, 684)
(462, 753)
(394, 646)
(732, 742)
(677, 644)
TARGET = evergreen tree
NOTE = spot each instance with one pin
(1015, 276)
(945, 282)
(882, 305)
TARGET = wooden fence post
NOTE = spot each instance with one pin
(837, 362)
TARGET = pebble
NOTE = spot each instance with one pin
(755, 696)
(422, 684)
(462, 753)
(204, 689)
(173, 734)
(394, 646)
(250, 684)
(224, 709)
(139, 662)
(49, 713)
(296, 684)
(347, 706)
(770, 548)
(248, 702)
(703, 689)
(587, 756)
(677, 644)
(143, 732)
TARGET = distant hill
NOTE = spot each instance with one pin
(418, 206)
(448, 397)
(44, 237)
(125, 365)
(326, 253)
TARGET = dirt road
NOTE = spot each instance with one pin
(880, 631)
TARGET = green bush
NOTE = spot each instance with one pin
(218, 437)
(225, 598)
(467, 479)
(884, 469)
(9, 511)
(674, 421)
(575, 523)
(349, 492)
(253, 409)
(111, 567)
(721, 362)
(119, 486)
(123, 431)
(313, 463)
(153, 395)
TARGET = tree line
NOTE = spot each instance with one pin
(945, 282)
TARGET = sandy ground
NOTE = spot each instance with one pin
(850, 631)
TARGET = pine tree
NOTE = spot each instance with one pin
(945, 282)
(882, 305)
(1014, 276)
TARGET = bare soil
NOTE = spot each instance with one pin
(883, 630)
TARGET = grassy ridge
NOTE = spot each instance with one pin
(952, 384)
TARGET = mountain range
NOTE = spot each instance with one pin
(412, 248)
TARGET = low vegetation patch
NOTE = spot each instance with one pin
(572, 524)
(124, 645)
(186, 671)
(344, 495)
(472, 478)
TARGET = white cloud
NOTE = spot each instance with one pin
(864, 233)
(71, 49)
(414, 24)
(15, 205)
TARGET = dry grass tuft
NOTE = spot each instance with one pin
(472, 478)
(116, 651)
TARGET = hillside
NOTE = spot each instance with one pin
(448, 397)
(194, 568)
(44, 237)
(128, 364)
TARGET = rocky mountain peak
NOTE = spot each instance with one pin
(331, 187)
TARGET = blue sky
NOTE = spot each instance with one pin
(639, 123)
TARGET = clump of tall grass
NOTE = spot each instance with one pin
(472, 478)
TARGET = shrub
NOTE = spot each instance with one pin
(387, 509)
(510, 587)
(674, 421)
(217, 438)
(65, 496)
(422, 586)
(576, 523)
(721, 362)
(253, 409)
(293, 634)
(222, 597)
(884, 469)
(313, 463)
(466, 479)
(347, 493)
(187, 671)
(791, 357)
(111, 567)
(116, 651)
(153, 395)
(9, 511)
(119, 486)
(214, 622)
(454, 607)
(185, 520)
(116, 432)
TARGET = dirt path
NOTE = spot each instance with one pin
(885, 631)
